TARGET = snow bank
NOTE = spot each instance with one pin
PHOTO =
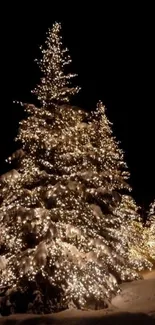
(138, 296)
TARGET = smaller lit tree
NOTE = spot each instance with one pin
(133, 230)
(150, 230)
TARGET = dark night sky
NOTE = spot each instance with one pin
(112, 52)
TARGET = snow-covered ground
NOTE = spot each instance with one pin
(138, 296)
(135, 305)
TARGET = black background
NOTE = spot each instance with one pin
(112, 49)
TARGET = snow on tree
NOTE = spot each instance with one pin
(66, 219)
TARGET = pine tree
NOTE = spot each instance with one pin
(133, 229)
(150, 231)
(125, 214)
(65, 211)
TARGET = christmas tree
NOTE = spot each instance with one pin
(150, 231)
(126, 212)
(66, 211)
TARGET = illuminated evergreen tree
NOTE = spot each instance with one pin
(64, 212)
(126, 226)
(150, 231)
